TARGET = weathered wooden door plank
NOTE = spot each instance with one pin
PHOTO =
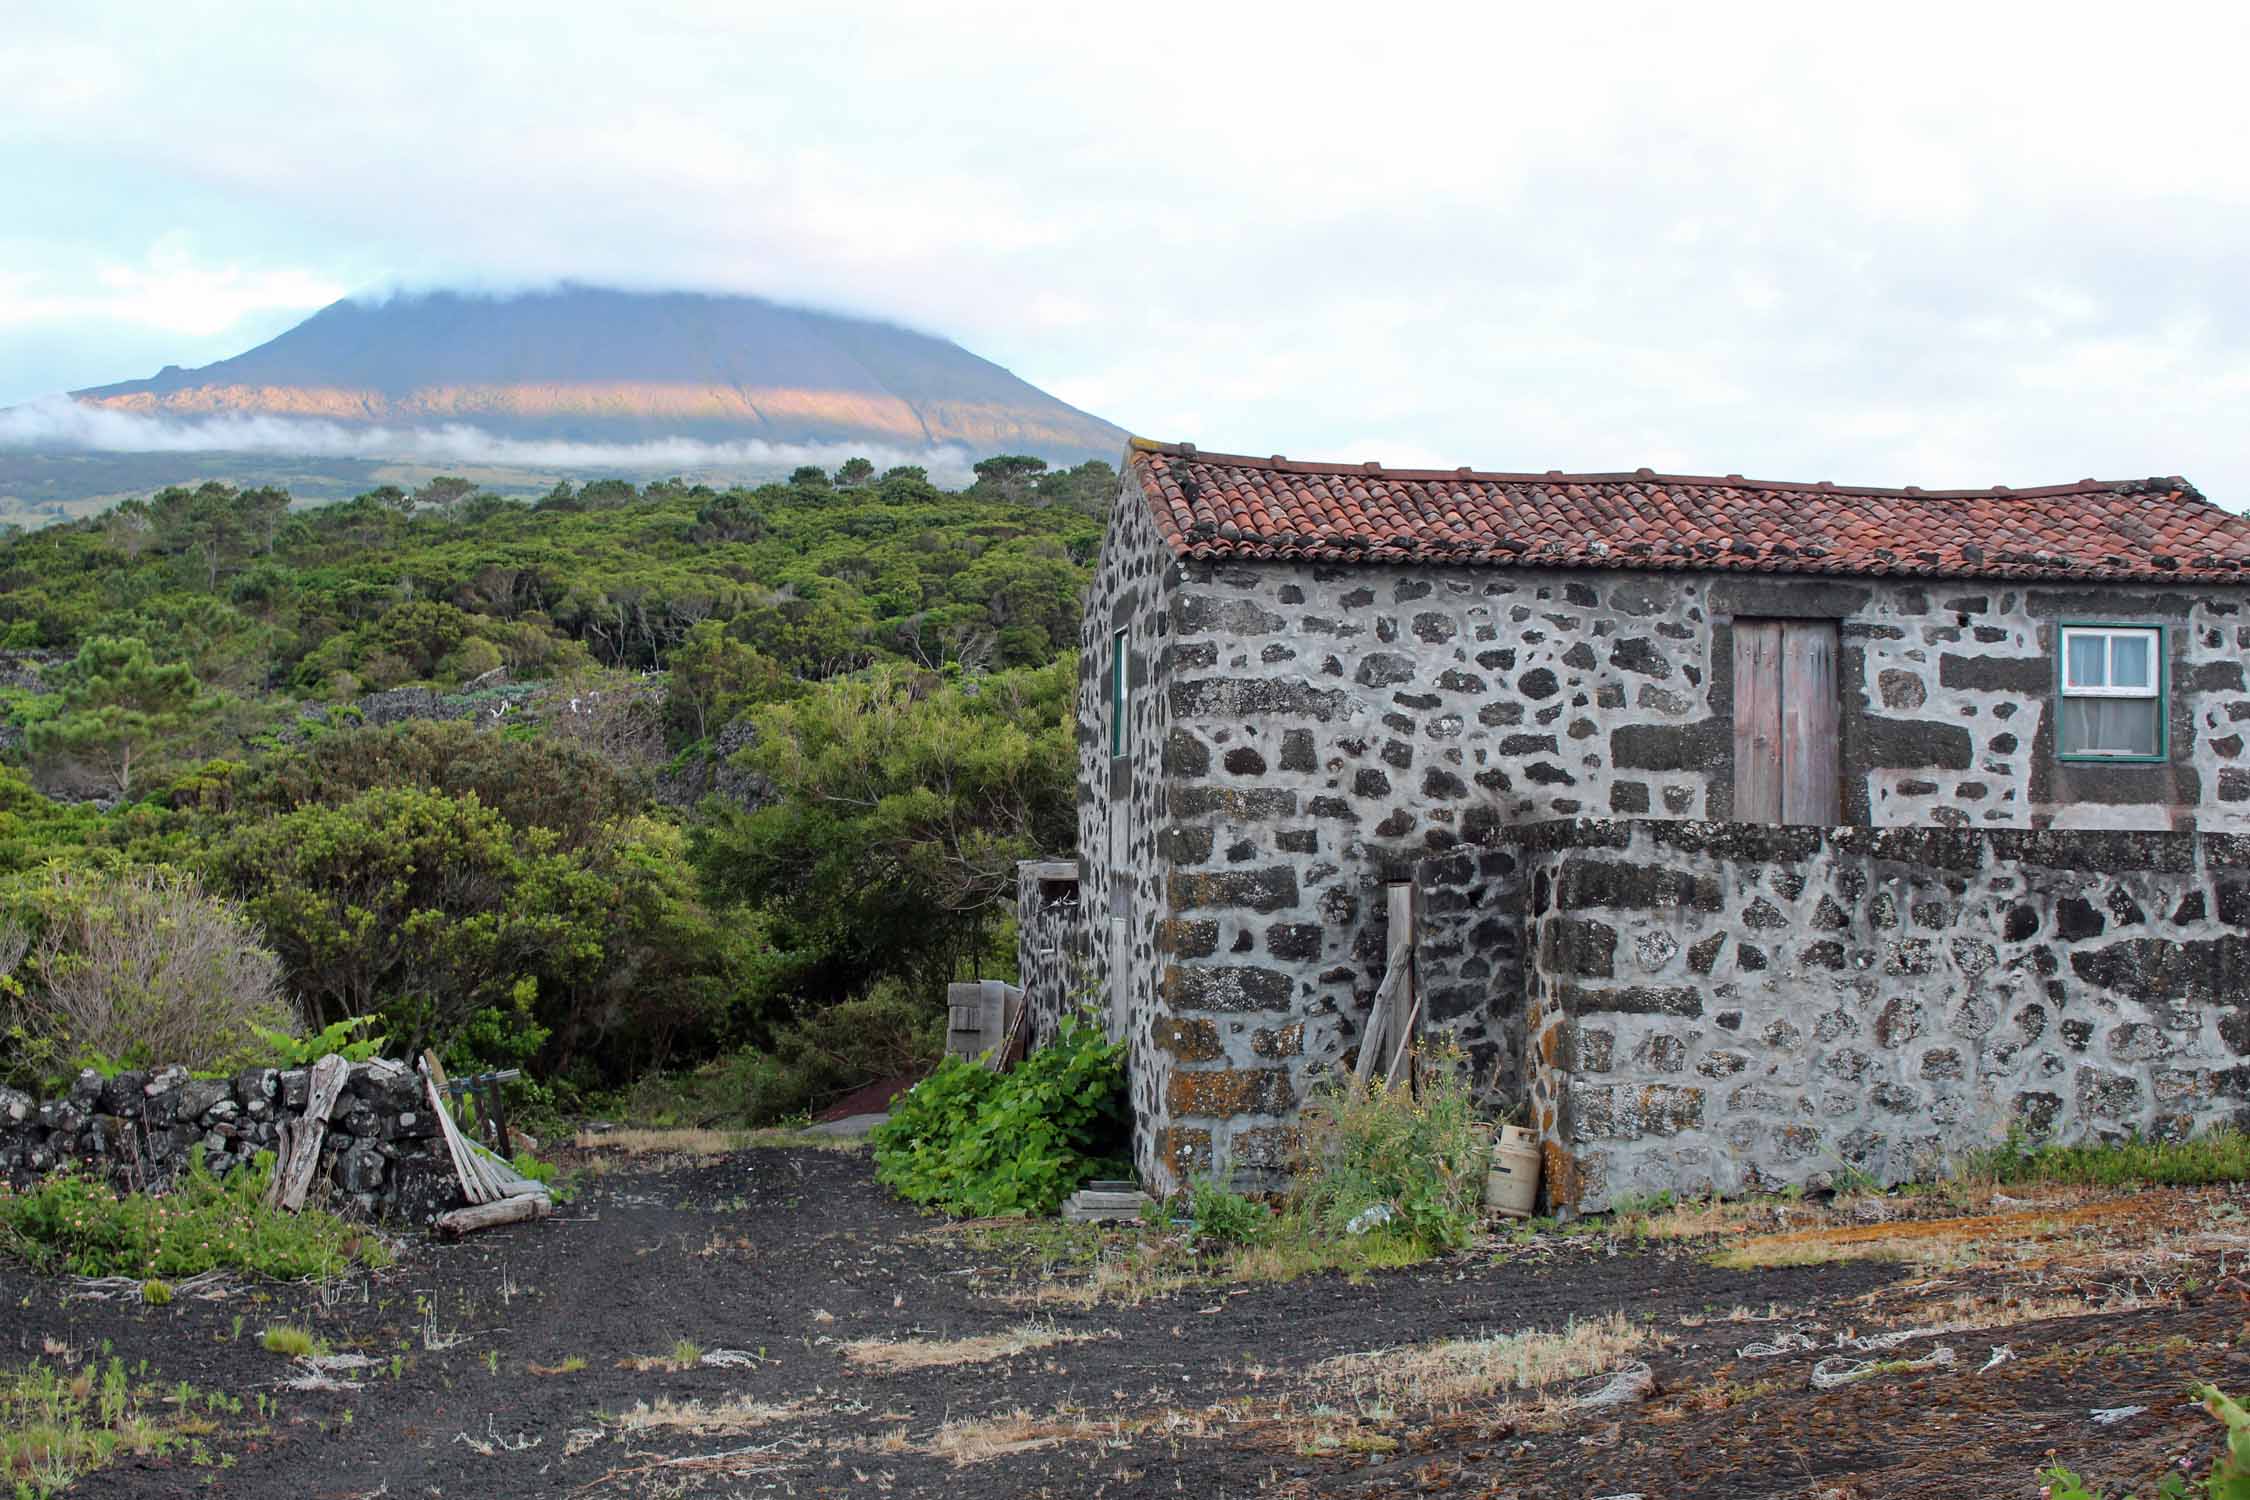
(1810, 759)
(1757, 721)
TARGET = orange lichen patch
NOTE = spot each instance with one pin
(1190, 1040)
(1221, 1092)
(1561, 1181)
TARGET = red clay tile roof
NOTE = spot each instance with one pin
(1221, 506)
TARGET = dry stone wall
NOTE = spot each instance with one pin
(1727, 1007)
(382, 1156)
(1468, 965)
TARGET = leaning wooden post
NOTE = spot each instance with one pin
(1391, 997)
(1407, 1004)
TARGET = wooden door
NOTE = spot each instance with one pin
(1786, 754)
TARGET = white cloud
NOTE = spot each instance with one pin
(1772, 238)
(58, 422)
(167, 289)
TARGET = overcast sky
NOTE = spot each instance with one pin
(1947, 245)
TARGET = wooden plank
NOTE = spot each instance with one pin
(503, 1175)
(486, 1215)
(1811, 778)
(1406, 1004)
(1395, 994)
(1378, 1022)
(304, 1137)
(1405, 1050)
(472, 1179)
(1757, 721)
(1120, 980)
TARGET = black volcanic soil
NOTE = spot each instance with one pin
(786, 1254)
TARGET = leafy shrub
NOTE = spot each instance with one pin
(66, 1223)
(973, 1142)
(1224, 1216)
(1424, 1157)
(286, 1051)
(809, 1062)
(146, 968)
(2227, 1479)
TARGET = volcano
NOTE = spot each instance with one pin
(596, 365)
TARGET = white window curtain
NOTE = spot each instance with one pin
(2109, 726)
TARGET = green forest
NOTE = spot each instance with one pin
(679, 799)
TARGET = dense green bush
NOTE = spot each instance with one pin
(535, 883)
(975, 1142)
(1420, 1153)
(66, 1223)
(1225, 1217)
(803, 1066)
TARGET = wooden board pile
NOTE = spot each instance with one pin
(497, 1193)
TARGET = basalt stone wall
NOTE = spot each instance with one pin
(1051, 944)
(1330, 727)
(1722, 1006)
(1468, 963)
(382, 1156)
(1122, 886)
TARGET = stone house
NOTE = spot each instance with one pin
(1302, 683)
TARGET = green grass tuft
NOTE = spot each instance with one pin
(296, 1343)
(2222, 1155)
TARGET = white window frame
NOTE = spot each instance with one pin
(2109, 635)
(2155, 691)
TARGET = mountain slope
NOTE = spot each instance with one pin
(596, 365)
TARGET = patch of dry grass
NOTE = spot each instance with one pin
(981, 1439)
(1128, 1279)
(1930, 1243)
(1928, 1254)
(927, 1354)
(685, 1354)
(704, 1418)
(1454, 1371)
(1711, 1217)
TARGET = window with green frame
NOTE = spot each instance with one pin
(1119, 700)
(2110, 693)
